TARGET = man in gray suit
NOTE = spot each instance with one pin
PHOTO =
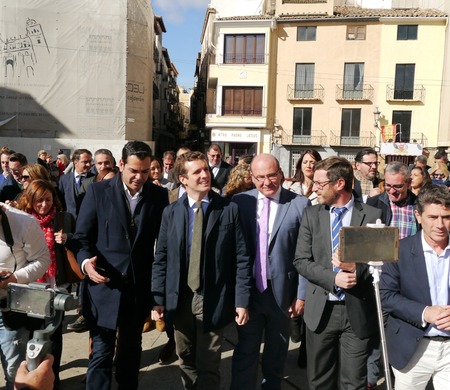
(340, 312)
(271, 218)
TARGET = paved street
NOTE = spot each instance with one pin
(74, 362)
(166, 377)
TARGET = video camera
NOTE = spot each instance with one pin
(38, 300)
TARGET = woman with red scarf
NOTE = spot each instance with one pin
(40, 200)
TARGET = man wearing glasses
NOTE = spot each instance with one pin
(12, 185)
(397, 202)
(271, 217)
(366, 181)
(397, 205)
(340, 312)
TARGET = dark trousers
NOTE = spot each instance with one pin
(199, 352)
(337, 359)
(267, 319)
(129, 348)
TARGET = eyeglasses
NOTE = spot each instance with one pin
(321, 184)
(369, 164)
(395, 186)
(262, 178)
(24, 177)
(438, 175)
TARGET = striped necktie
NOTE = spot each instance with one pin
(337, 224)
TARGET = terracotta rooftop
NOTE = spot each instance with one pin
(351, 13)
(358, 12)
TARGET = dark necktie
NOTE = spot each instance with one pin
(80, 182)
(196, 249)
(337, 224)
(262, 246)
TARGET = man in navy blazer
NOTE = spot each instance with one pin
(70, 184)
(220, 170)
(116, 230)
(340, 312)
(282, 295)
(415, 294)
(222, 294)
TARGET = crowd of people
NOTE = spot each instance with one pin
(192, 241)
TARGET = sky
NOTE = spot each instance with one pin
(184, 21)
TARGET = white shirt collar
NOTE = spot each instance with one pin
(275, 198)
(192, 202)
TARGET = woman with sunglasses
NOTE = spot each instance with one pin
(40, 200)
(30, 172)
(439, 174)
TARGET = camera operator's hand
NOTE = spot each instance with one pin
(7, 277)
(41, 378)
(91, 270)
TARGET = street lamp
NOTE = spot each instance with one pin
(376, 117)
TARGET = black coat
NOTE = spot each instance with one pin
(103, 230)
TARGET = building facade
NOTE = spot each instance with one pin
(329, 75)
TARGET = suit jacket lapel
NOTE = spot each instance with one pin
(114, 191)
(283, 207)
(420, 269)
(325, 229)
(146, 209)
(213, 213)
(358, 215)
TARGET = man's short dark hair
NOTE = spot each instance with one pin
(136, 148)
(337, 168)
(433, 194)
(422, 159)
(215, 147)
(78, 152)
(106, 152)
(181, 161)
(440, 154)
(103, 151)
(170, 153)
(18, 157)
(364, 152)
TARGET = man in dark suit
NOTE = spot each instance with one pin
(340, 312)
(12, 185)
(366, 182)
(276, 292)
(220, 169)
(116, 228)
(415, 294)
(201, 272)
(397, 209)
(70, 184)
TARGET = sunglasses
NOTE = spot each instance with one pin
(24, 177)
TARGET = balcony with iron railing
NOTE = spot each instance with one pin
(242, 58)
(366, 139)
(305, 92)
(297, 137)
(349, 92)
(413, 138)
(417, 94)
(252, 117)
